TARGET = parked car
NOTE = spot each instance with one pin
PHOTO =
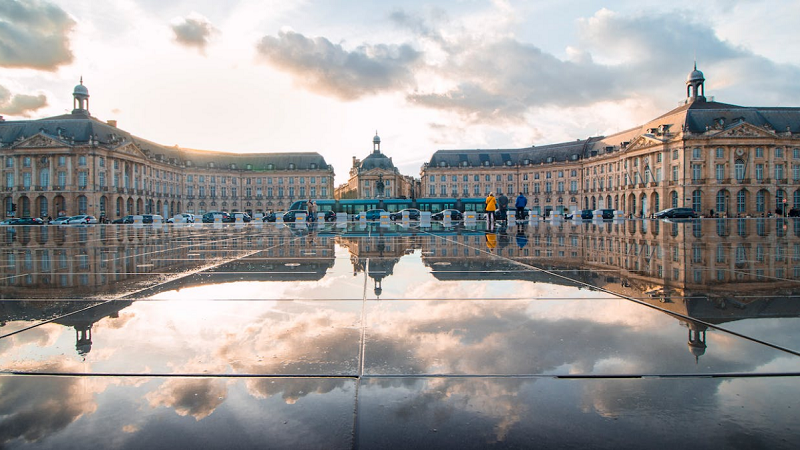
(6, 222)
(453, 213)
(676, 213)
(330, 216)
(27, 221)
(413, 214)
(187, 218)
(60, 220)
(291, 215)
(82, 219)
(150, 218)
(123, 219)
(372, 214)
(209, 217)
(794, 212)
(269, 217)
(245, 217)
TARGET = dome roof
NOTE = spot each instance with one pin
(376, 139)
(695, 75)
(81, 89)
(376, 161)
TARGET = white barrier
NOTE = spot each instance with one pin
(341, 217)
(425, 219)
(238, 218)
(384, 219)
(470, 217)
(217, 219)
(300, 218)
(137, 220)
(258, 217)
(157, 220)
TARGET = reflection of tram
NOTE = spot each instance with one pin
(355, 206)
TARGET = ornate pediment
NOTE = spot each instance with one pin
(744, 130)
(643, 141)
(130, 148)
(40, 140)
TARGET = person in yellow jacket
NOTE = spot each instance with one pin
(491, 207)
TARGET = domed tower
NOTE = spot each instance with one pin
(695, 90)
(80, 99)
(376, 143)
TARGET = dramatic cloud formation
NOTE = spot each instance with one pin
(194, 397)
(20, 105)
(193, 31)
(327, 68)
(34, 34)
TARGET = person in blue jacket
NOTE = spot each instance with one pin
(520, 204)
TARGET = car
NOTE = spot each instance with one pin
(124, 219)
(607, 214)
(187, 218)
(413, 214)
(676, 213)
(81, 219)
(150, 218)
(27, 221)
(794, 212)
(6, 222)
(330, 216)
(62, 220)
(291, 215)
(454, 214)
(245, 217)
(209, 217)
(372, 214)
(269, 217)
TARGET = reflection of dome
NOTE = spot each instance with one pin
(376, 161)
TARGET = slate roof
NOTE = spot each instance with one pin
(80, 128)
(376, 160)
(695, 117)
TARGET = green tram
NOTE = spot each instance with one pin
(355, 206)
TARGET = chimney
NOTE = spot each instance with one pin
(113, 123)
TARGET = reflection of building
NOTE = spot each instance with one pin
(377, 255)
(375, 177)
(76, 164)
(707, 155)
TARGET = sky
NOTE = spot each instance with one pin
(324, 76)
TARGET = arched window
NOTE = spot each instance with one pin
(741, 201)
(656, 202)
(796, 202)
(780, 195)
(82, 204)
(697, 201)
(739, 169)
(760, 200)
(722, 201)
(674, 199)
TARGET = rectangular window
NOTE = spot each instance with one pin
(778, 171)
(720, 171)
(696, 153)
(548, 187)
(696, 172)
(62, 161)
(82, 160)
(476, 189)
(324, 192)
(535, 188)
(778, 153)
(476, 178)
(796, 172)
(720, 153)
(674, 154)
(26, 161)
(102, 176)
(82, 178)
(796, 153)
(432, 190)
(658, 159)
(759, 172)
(202, 179)
(9, 162)
(674, 173)
(759, 152)
(9, 180)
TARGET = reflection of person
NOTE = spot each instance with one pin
(491, 207)
(520, 205)
(491, 240)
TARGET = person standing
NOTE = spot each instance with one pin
(312, 209)
(520, 205)
(503, 202)
(491, 207)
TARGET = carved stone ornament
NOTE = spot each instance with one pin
(745, 130)
(40, 141)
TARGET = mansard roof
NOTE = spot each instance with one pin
(565, 151)
(81, 129)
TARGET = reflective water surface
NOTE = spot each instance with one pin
(559, 334)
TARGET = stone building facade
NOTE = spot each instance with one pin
(77, 164)
(376, 177)
(717, 158)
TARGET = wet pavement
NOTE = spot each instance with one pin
(556, 334)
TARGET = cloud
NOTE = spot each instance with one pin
(193, 31)
(327, 68)
(34, 34)
(36, 407)
(194, 397)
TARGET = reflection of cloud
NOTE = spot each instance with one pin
(19, 104)
(41, 336)
(34, 34)
(194, 397)
(36, 407)
(193, 31)
(328, 68)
